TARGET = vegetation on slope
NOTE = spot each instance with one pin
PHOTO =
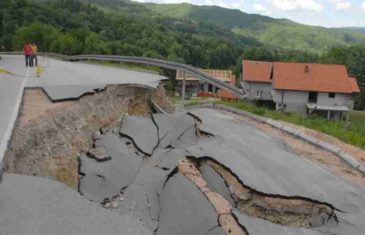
(275, 33)
(84, 28)
(357, 29)
(352, 134)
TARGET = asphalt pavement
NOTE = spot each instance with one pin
(36, 206)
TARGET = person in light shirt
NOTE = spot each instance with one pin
(35, 52)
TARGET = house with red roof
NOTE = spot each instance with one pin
(257, 80)
(324, 89)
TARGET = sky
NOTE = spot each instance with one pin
(328, 13)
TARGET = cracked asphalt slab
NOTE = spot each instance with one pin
(61, 73)
(216, 183)
(63, 80)
(168, 203)
(242, 145)
(36, 206)
(145, 143)
(60, 93)
(100, 180)
(185, 210)
(141, 199)
(176, 131)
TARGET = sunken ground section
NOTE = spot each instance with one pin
(133, 170)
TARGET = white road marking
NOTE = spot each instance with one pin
(13, 118)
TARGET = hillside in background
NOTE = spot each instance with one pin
(267, 31)
(357, 29)
(271, 32)
(213, 14)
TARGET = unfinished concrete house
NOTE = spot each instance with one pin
(195, 87)
(325, 90)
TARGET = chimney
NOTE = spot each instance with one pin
(306, 69)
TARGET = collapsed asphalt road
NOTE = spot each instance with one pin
(205, 173)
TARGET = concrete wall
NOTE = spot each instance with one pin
(191, 88)
(339, 100)
(253, 87)
(296, 101)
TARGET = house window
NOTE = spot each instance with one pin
(260, 94)
(331, 95)
(312, 97)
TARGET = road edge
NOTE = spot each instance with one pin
(13, 118)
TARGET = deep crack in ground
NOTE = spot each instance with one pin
(283, 210)
(193, 193)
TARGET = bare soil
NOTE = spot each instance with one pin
(50, 136)
(36, 105)
(324, 158)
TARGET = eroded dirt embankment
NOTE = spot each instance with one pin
(49, 136)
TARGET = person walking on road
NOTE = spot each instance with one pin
(28, 53)
(35, 52)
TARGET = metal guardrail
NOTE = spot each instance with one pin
(161, 63)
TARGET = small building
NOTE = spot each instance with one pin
(196, 87)
(322, 89)
(256, 80)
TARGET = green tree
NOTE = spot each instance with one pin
(42, 34)
(67, 44)
(95, 45)
(354, 58)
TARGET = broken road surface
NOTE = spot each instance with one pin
(235, 174)
(36, 206)
(70, 80)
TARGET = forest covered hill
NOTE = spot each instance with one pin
(274, 33)
(281, 33)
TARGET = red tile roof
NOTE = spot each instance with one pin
(355, 86)
(301, 76)
(256, 71)
(312, 77)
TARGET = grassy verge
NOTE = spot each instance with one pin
(353, 133)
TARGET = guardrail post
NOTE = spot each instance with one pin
(183, 88)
